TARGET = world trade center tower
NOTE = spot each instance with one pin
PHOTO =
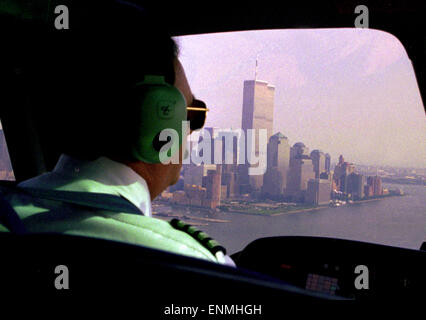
(258, 113)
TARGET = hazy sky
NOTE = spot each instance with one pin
(344, 91)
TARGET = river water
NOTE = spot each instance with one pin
(396, 221)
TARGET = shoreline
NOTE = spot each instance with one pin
(296, 210)
(293, 210)
(279, 213)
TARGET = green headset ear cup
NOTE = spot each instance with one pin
(162, 106)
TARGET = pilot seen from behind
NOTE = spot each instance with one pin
(112, 84)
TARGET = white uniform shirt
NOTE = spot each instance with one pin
(119, 178)
(103, 175)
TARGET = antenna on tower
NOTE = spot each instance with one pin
(255, 69)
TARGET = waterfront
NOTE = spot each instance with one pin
(397, 221)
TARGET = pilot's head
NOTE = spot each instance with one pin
(93, 103)
(168, 174)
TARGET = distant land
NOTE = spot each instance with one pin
(6, 171)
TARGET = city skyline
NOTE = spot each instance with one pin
(333, 160)
(335, 91)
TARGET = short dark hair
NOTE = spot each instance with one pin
(83, 83)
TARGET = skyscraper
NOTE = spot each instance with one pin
(327, 163)
(275, 177)
(258, 106)
(298, 148)
(301, 170)
(318, 160)
(356, 184)
(194, 174)
(225, 150)
(376, 184)
(258, 113)
(341, 172)
(318, 191)
(212, 183)
(206, 146)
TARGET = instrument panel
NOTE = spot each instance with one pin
(337, 267)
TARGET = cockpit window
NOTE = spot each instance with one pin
(310, 132)
(6, 171)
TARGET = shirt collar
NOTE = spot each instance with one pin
(111, 176)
